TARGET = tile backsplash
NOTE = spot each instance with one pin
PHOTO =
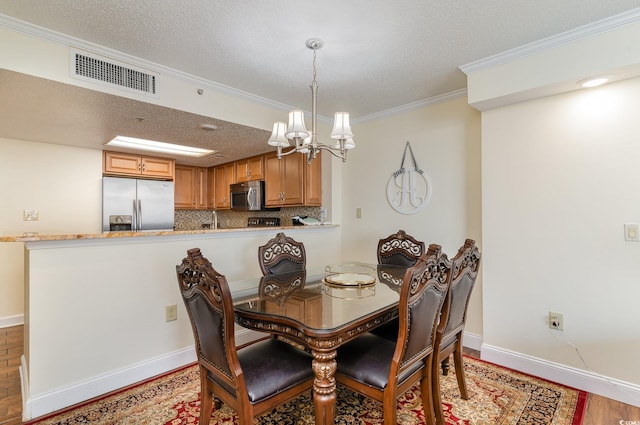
(195, 219)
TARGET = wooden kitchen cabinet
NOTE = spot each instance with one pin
(291, 181)
(250, 169)
(313, 181)
(191, 188)
(211, 188)
(284, 180)
(225, 176)
(124, 164)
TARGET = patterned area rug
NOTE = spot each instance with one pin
(497, 396)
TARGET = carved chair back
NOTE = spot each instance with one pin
(464, 273)
(422, 296)
(207, 299)
(399, 248)
(281, 254)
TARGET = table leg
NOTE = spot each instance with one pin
(324, 386)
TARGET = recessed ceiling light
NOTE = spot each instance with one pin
(152, 145)
(594, 81)
(208, 127)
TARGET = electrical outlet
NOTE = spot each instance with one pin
(556, 321)
(172, 312)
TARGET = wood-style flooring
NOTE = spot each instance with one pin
(11, 348)
(600, 410)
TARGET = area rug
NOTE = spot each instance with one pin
(497, 396)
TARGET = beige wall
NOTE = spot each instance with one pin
(445, 139)
(560, 179)
(64, 184)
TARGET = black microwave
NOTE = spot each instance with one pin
(247, 196)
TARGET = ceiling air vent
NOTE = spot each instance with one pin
(91, 67)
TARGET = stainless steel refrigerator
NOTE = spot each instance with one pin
(136, 204)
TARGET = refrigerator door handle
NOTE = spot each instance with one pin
(139, 215)
(134, 221)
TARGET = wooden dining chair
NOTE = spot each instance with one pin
(464, 271)
(400, 249)
(281, 254)
(382, 369)
(251, 380)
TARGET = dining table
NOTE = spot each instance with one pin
(319, 309)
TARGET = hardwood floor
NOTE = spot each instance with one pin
(11, 347)
(600, 410)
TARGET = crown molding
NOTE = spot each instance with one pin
(608, 24)
(456, 94)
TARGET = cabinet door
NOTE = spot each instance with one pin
(255, 168)
(284, 180)
(293, 179)
(211, 188)
(242, 174)
(250, 169)
(313, 182)
(202, 184)
(185, 187)
(121, 163)
(225, 176)
(272, 181)
(157, 167)
(116, 163)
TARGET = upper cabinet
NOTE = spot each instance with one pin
(124, 164)
(225, 176)
(313, 182)
(290, 181)
(250, 169)
(191, 188)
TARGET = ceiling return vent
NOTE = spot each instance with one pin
(105, 71)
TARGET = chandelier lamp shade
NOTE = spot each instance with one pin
(295, 137)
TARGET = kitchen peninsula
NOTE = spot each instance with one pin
(96, 304)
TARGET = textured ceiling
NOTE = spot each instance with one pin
(377, 54)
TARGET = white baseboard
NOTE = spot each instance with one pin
(8, 321)
(473, 341)
(45, 403)
(565, 375)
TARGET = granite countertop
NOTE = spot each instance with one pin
(33, 237)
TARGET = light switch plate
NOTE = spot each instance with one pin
(631, 232)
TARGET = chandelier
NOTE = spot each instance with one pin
(295, 134)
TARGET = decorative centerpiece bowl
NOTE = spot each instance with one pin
(349, 275)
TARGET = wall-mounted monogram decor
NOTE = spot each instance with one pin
(408, 190)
